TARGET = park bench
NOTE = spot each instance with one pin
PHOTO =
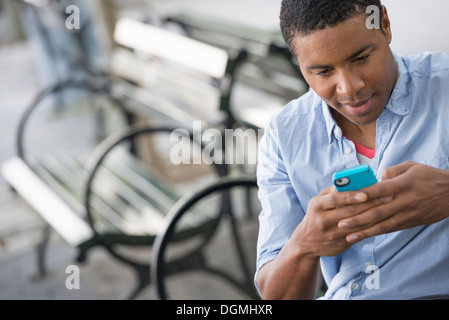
(117, 193)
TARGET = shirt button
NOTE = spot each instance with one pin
(337, 131)
(348, 150)
(354, 286)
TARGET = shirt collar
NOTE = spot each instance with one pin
(398, 103)
(331, 125)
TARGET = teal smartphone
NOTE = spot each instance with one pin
(355, 178)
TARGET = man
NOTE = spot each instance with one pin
(366, 105)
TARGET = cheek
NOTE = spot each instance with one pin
(375, 76)
(324, 88)
(379, 73)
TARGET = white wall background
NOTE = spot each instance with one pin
(419, 25)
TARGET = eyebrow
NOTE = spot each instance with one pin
(352, 56)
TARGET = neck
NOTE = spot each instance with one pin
(364, 135)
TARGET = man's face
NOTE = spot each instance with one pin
(350, 67)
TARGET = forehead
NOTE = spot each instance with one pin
(335, 43)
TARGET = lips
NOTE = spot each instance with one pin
(358, 108)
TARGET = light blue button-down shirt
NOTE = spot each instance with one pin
(303, 146)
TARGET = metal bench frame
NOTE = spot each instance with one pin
(161, 269)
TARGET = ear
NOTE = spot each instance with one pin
(386, 26)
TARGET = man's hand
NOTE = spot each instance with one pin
(318, 234)
(416, 195)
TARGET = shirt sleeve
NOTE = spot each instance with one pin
(281, 210)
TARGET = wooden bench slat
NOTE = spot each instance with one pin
(157, 188)
(144, 180)
(245, 32)
(156, 191)
(66, 193)
(171, 46)
(155, 76)
(148, 104)
(139, 215)
(57, 213)
(63, 179)
(113, 201)
(182, 97)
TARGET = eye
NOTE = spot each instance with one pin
(361, 59)
(324, 73)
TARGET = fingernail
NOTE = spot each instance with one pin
(387, 199)
(352, 238)
(360, 197)
(343, 225)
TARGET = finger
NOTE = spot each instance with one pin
(377, 221)
(361, 215)
(384, 189)
(394, 171)
(368, 217)
(337, 199)
(329, 189)
(375, 230)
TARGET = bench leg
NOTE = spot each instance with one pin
(41, 250)
(248, 284)
(143, 277)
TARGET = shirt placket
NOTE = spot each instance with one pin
(347, 149)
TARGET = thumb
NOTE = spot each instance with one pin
(394, 171)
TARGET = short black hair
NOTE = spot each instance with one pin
(306, 16)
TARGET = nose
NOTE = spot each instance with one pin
(349, 84)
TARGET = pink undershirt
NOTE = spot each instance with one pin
(367, 152)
